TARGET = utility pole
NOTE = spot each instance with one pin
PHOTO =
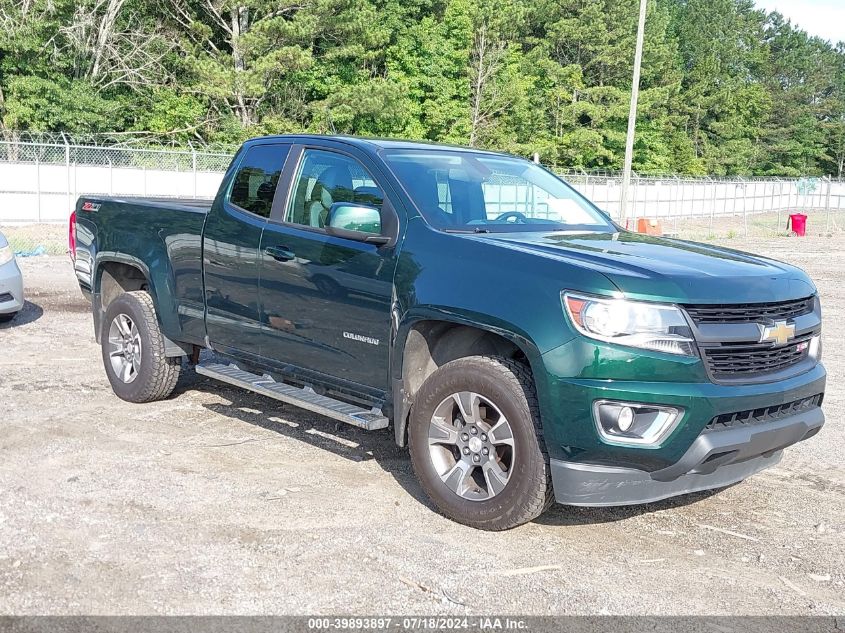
(632, 112)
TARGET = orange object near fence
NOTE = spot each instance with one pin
(649, 227)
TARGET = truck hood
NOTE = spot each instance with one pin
(662, 269)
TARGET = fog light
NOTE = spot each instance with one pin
(634, 424)
(625, 419)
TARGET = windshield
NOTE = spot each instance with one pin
(471, 191)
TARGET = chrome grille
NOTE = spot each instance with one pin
(738, 360)
(749, 312)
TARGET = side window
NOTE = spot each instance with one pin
(254, 184)
(325, 178)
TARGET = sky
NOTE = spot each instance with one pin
(825, 18)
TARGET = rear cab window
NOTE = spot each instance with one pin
(254, 184)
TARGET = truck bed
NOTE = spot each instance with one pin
(143, 232)
(189, 204)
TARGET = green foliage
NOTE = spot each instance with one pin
(169, 112)
(60, 104)
(726, 88)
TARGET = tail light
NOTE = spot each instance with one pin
(71, 235)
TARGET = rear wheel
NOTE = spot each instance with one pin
(476, 443)
(133, 350)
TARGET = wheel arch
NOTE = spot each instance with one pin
(115, 274)
(428, 340)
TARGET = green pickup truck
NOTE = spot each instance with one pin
(521, 345)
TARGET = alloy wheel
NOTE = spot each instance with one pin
(471, 445)
(124, 348)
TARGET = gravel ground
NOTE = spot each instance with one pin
(219, 501)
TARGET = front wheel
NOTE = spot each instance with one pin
(133, 350)
(476, 443)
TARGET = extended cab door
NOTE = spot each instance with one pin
(326, 299)
(231, 242)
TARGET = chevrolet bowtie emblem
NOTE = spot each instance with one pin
(780, 333)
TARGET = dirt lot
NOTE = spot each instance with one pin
(219, 501)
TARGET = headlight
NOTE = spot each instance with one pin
(6, 254)
(654, 326)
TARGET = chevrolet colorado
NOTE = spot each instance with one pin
(524, 347)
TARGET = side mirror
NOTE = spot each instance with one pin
(357, 222)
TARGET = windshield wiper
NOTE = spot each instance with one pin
(475, 230)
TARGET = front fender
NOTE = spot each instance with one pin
(402, 400)
(417, 314)
(482, 282)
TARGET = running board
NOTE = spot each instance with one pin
(303, 397)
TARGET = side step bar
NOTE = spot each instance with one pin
(303, 397)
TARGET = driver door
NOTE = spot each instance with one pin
(325, 299)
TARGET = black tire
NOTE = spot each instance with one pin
(509, 386)
(157, 374)
(5, 318)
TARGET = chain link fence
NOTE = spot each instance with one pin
(40, 180)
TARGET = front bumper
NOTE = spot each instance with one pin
(11, 288)
(699, 454)
(714, 460)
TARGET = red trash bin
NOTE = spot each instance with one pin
(798, 221)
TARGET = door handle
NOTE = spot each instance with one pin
(280, 253)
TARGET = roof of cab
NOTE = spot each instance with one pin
(373, 144)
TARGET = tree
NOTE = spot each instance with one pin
(834, 117)
(801, 76)
(726, 88)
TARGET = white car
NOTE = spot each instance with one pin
(11, 282)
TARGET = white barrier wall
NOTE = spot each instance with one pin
(31, 192)
(680, 198)
(46, 192)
